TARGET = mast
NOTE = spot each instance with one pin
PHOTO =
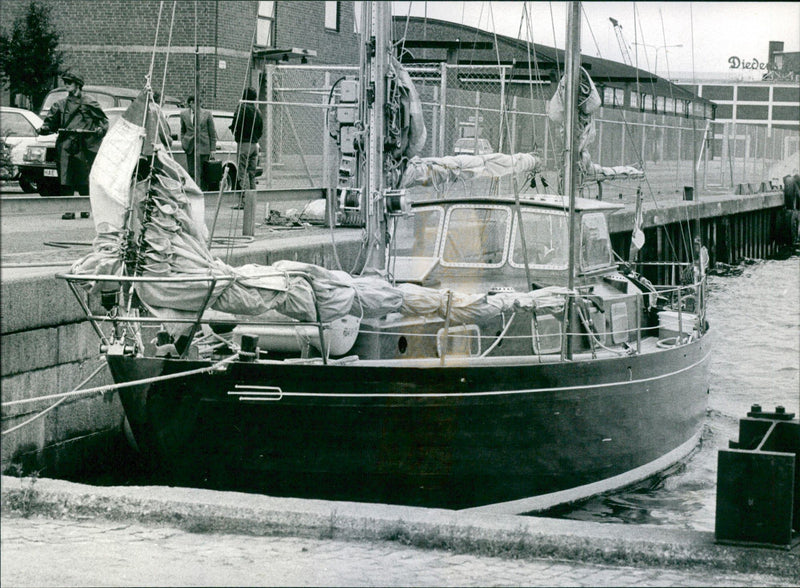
(375, 66)
(572, 74)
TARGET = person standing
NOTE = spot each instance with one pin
(81, 125)
(247, 127)
(199, 140)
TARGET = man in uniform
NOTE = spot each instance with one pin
(81, 124)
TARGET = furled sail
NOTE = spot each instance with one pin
(441, 171)
(588, 103)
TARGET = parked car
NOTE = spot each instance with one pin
(106, 96)
(40, 169)
(17, 130)
(472, 146)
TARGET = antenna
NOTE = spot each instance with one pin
(623, 47)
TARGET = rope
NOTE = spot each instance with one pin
(49, 408)
(109, 387)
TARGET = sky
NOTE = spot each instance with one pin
(710, 33)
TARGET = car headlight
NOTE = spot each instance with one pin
(35, 153)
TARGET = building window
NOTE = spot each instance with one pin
(753, 94)
(724, 111)
(783, 94)
(751, 112)
(608, 96)
(669, 105)
(786, 113)
(357, 8)
(332, 16)
(659, 104)
(265, 28)
(711, 92)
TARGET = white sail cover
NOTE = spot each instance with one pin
(440, 171)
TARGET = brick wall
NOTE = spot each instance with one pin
(110, 42)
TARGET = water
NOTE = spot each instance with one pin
(755, 313)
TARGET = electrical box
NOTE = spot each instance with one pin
(349, 91)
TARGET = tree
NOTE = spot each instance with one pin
(29, 57)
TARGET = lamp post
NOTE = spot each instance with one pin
(657, 48)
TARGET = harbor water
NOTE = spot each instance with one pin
(754, 311)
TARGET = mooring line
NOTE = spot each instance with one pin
(109, 387)
(49, 408)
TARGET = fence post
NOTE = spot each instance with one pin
(270, 140)
(435, 123)
(503, 114)
(326, 138)
(513, 146)
(443, 109)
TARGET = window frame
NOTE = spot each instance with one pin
(336, 14)
(443, 244)
(269, 19)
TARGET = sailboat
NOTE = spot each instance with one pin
(491, 355)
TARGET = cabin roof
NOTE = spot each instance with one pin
(534, 201)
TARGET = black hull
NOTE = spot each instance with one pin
(449, 437)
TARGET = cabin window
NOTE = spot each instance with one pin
(546, 236)
(595, 249)
(417, 235)
(476, 235)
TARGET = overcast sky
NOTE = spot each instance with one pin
(717, 31)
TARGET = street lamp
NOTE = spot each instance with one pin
(657, 48)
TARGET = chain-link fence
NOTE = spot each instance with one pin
(487, 102)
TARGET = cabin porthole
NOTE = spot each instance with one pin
(402, 344)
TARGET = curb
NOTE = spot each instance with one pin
(519, 537)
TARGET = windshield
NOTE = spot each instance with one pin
(595, 242)
(417, 235)
(546, 237)
(476, 235)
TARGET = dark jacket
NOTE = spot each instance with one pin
(75, 114)
(247, 124)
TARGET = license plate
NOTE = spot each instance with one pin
(51, 173)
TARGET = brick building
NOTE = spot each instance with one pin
(112, 42)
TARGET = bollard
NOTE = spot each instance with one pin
(249, 216)
(758, 481)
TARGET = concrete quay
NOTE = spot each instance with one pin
(179, 536)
